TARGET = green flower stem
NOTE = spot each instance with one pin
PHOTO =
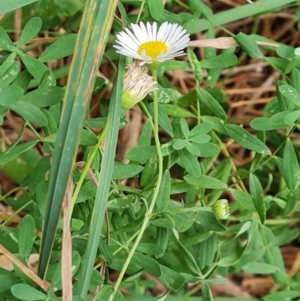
(148, 214)
(87, 167)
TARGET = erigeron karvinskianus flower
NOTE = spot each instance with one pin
(137, 84)
(150, 43)
(221, 209)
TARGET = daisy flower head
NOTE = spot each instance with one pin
(151, 43)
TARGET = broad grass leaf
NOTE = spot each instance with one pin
(245, 139)
(61, 48)
(125, 171)
(27, 293)
(30, 30)
(291, 172)
(210, 103)
(257, 197)
(26, 236)
(173, 280)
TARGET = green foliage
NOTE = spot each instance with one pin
(152, 212)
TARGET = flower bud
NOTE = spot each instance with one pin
(221, 209)
(137, 84)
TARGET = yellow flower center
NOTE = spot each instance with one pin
(153, 48)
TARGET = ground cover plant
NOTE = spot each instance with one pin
(149, 150)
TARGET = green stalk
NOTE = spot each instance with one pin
(86, 168)
(148, 214)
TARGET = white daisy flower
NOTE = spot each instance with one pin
(149, 43)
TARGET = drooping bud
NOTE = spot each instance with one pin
(137, 84)
(221, 209)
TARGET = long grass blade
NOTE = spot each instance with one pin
(95, 27)
(104, 183)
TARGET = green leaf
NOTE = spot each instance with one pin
(30, 112)
(221, 61)
(61, 48)
(16, 151)
(187, 256)
(292, 117)
(9, 75)
(189, 162)
(156, 9)
(27, 293)
(163, 196)
(105, 252)
(208, 220)
(283, 103)
(210, 103)
(259, 268)
(243, 199)
(125, 171)
(148, 263)
(205, 182)
(87, 138)
(249, 45)
(257, 197)
(10, 95)
(290, 93)
(176, 111)
(31, 29)
(295, 78)
(184, 127)
(5, 41)
(35, 67)
(45, 97)
(141, 153)
(26, 236)
(245, 139)
(265, 124)
(200, 129)
(205, 150)
(291, 172)
(195, 64)
(173, 280)
(7, 280)
(180, 143)
(206, 292)
(7, 5)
